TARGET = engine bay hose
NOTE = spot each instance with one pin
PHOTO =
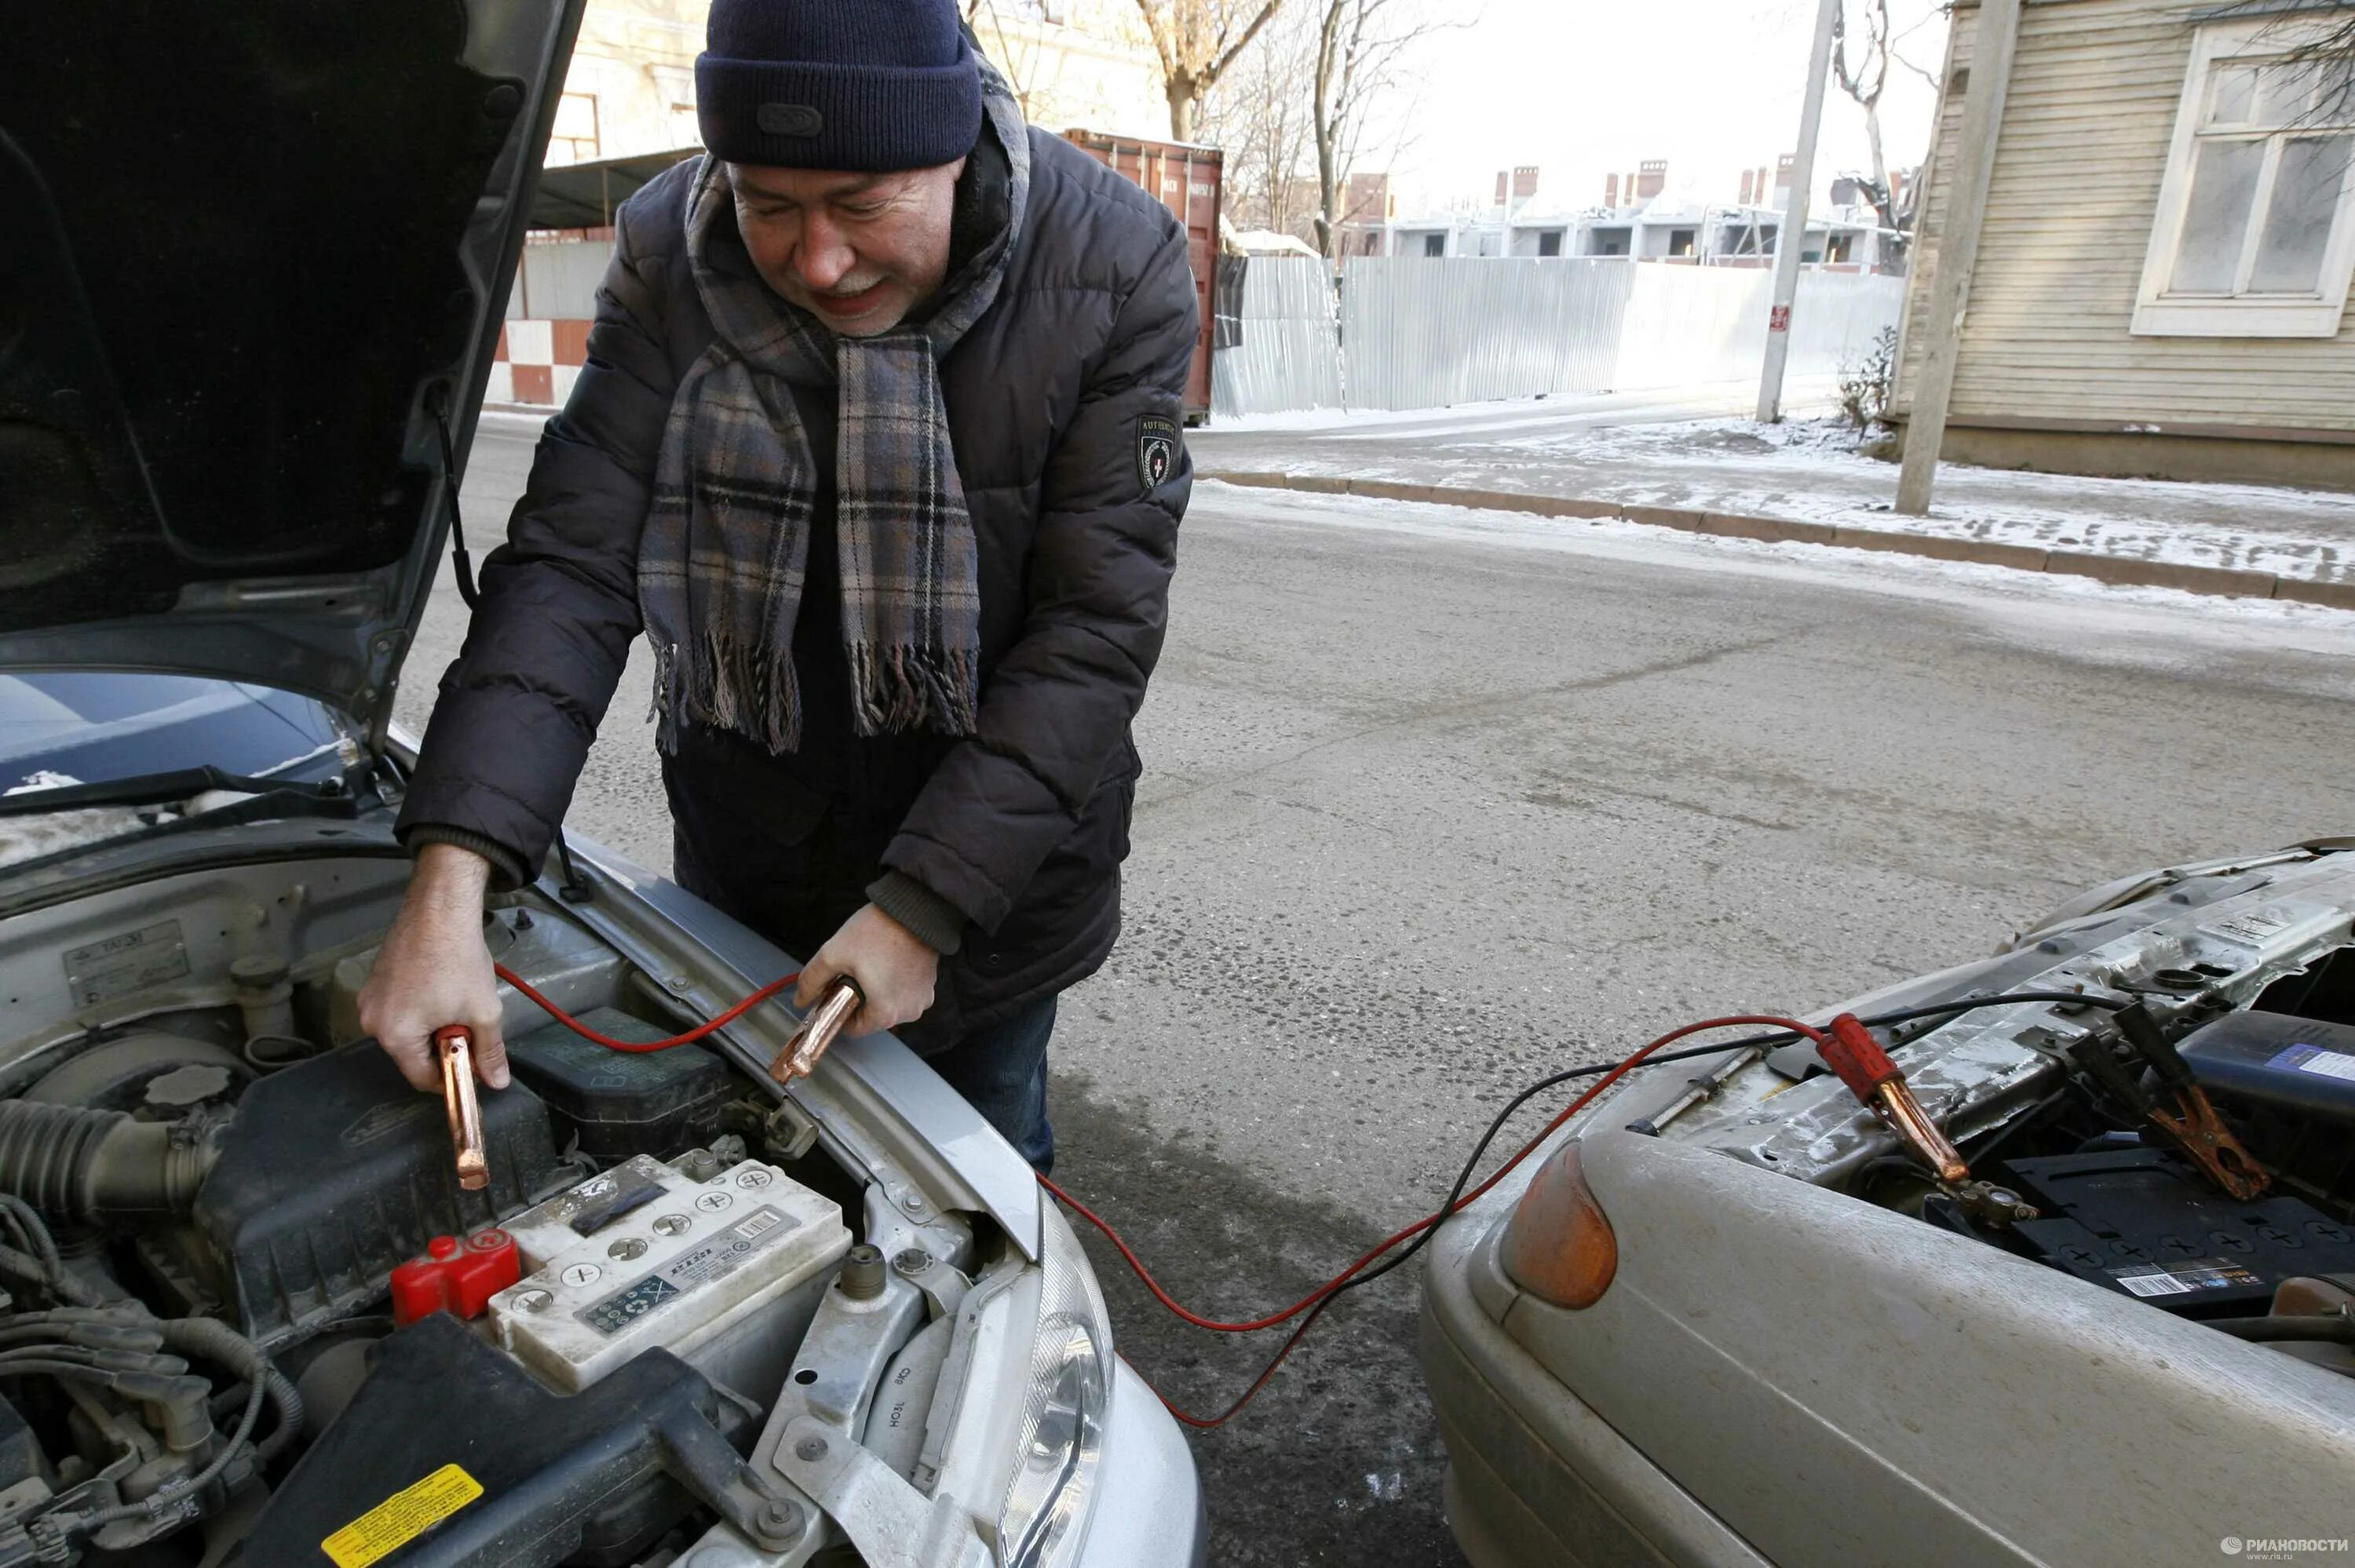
(81, 1163)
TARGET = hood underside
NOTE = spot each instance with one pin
(257, 253)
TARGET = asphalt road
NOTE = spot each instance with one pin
(1437, 802)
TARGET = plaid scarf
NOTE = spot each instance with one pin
(721, 562)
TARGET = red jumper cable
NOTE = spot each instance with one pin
(1316, 1301)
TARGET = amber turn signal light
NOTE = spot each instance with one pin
(1558, 1244)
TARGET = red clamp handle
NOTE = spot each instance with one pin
(1849, 1049)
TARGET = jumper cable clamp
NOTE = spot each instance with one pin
(1848, 1049)
(454, 1046)
(819, 1027)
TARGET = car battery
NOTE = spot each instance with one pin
(2140, 1221)
(643, 1255)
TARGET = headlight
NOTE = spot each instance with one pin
(1061, 1436)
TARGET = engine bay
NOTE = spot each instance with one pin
(2184, 1137)
(248, 1303)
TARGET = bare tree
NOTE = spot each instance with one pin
(2331, 56)
(1197, 41)
(1864, 80)
(999, 20)
(1260, 114)
(1359, 44)
(2328, 53)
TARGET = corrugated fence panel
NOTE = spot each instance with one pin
(1837, 318)
(1426, 332)
(1688, 326)
(1421, 332)
(559, 282)
(1288, 355)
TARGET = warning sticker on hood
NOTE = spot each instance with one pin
(2255, 926)
(130, 962)
(401, 1518)
(2147, 1279)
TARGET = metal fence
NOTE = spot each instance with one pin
(1415, 333)
(1286, 351)
(559, 280)
(1421, 333)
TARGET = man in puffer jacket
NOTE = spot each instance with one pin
(878, 443)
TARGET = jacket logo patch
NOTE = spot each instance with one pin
(790, 119)
(1156, 450)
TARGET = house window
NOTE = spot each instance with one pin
(1680, 242)
(1434, 245)
(573, 139)
(1550, 242)
(2255, 230)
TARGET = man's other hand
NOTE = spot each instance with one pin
(892, 966)
(434, 970)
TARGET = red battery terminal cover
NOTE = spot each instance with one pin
(455, 1277)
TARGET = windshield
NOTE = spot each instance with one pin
(78, 727)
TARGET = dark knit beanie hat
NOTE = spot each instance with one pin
(871, 85)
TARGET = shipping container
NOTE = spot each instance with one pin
(1187, 180)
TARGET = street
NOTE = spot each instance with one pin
(1437, 802)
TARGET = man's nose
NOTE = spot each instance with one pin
(825, 255)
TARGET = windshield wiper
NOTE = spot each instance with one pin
(165, 789)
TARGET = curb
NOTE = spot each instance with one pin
(2119, 571)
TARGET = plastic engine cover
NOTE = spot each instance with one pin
(336, 1171)
(622, 1103)
(451, 1456)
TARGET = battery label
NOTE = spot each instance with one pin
(2150, 1279)
(722, 1256)
(2314, 1059)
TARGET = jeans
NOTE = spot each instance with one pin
(1002, 1071)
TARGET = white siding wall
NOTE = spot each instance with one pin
(2085, 134)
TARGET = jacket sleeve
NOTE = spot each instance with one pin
(1057, 705)
(558, 608)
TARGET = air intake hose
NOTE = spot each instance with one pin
(75, 1162)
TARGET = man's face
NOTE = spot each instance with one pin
(858, 251)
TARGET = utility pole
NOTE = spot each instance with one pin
(1791, 238)
(1992, 42)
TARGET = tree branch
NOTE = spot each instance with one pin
(1222, 60)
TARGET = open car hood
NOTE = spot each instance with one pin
(256, 255)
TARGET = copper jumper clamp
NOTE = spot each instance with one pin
(454, 1046)
(1849, 1049)
(819, 1027)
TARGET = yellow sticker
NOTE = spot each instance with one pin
(401, 1518)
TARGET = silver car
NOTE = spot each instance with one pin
(251, 1313)
(1731, 1315)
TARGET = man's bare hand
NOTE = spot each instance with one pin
(433, 971)
(892, 966)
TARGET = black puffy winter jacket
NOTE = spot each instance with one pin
(1002, 848)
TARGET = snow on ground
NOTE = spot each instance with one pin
(1808, 394)
(2083, 601)
(1812, 470)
